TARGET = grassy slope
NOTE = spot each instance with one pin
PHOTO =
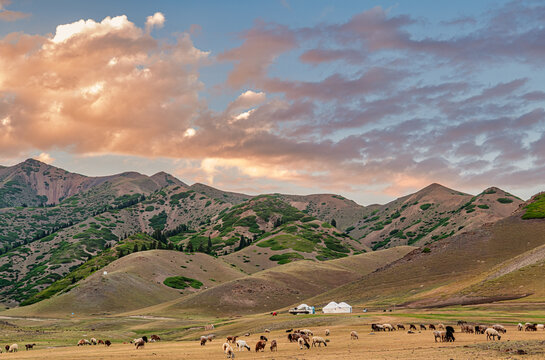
(441, 276)
(279, 287)
(132, 282)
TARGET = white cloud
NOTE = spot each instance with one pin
(155, 21)
(92, 28)
(45, 158)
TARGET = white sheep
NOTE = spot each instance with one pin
(13, 348)
(491, 334)
(241, 345)
(318, 340)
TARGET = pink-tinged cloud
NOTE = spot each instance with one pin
(319, 56)
(10, 15)
(261, 45)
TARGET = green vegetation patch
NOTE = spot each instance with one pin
(535, 210)
(286, 257)
(283, 242)
(182, 282)
(505, 200)
(158, 222)
(425, 206)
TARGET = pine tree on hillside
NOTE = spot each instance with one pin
(209, 244)
(333, 223)
(189, 247)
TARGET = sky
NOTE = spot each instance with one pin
(368, 99)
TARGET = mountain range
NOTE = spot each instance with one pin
(161, 237)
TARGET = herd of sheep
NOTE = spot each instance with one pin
(305, 338)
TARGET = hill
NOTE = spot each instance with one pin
(431, 214)
(279, 287)
(463, 269)
(133, 282)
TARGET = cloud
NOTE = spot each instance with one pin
(45, 158)
(10, 15)
(157, 20)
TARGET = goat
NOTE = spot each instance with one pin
(274, 345)
(241, 344)
(318, 340)
(260, 345)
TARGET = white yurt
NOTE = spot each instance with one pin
(334, 308)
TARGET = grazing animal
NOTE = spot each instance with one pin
(499, 328)
(400, 327)
(318, 340)
(247, 334)
(540, 326)
(29, 346)
(13, 348)
(228, 350)
(388, 327)
(422, 327)
(432, 327)
(267, 330)
(491, 334)
(326, 332)
(530, 327)
(289, 330)
(441, 326)
(94, 341)
(354, 335)
(7, 347)
(274, 345)
(241, 345)
(107, 343)
(155, 338)
(377, 327)
(466, 329)
(449, 336)
(262, 337)
(520, 326)
(479, 329)
(232, 339)
(462, 322)
(83, 342)
(260, 345)
(303, 343)
(100, 342)
(412, 327)
(439, 335)
(203, 340)
(139, 343)
(292, 337)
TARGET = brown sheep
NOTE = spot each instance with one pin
(29, 346)
(100, 341)
(354, 335)
(530, 327)
(83, 342)
(203, 340)
(412, 327)
(7, 348)
(155, 338)
(432, 327)
(400, 327)
(260, 345)
(274, 345)
(422, 327)
(107, 343)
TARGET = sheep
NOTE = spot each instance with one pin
(467, 329)
(262, 337)
(93, 341)
(530, 327)
(83, 342)
(318, 340)
(139, 343)
(289, 330)
(462, 322)
(260, 345)
(7, 348)
(377, 327)
(439, 335)
(100, 341)
(491, 334)
(107, 343)
(354, 335)
(400, 327)
(441, 326)
(422, 327)
(540, 326)
(388, 327)
(204, 339)
(293, 337)
(432, 327)
(499, 328)
(241, 345)
(306, 332)
(480, 329)
(13, 348)
(520, 326)
(267, 330)
(155, 338)
(412, 327)
(274, 346)
(326, 332)
(247, 334)
(29, 346)
(303, 343)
